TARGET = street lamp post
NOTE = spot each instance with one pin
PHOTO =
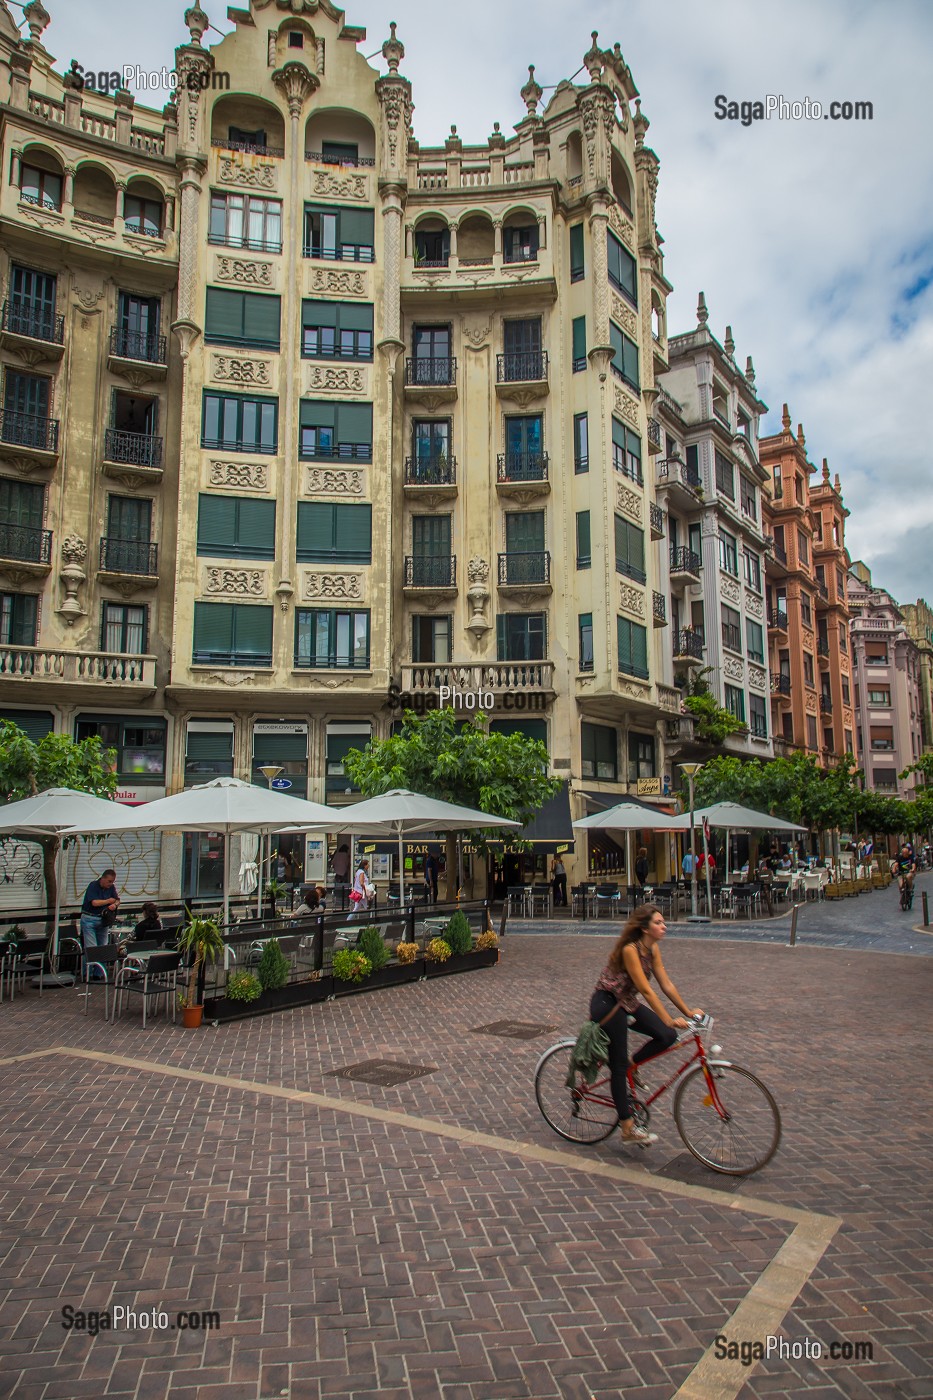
(270, 771)
(690, 771)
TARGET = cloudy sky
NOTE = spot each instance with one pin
(813, 239)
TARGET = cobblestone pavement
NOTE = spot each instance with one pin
(436, 1239)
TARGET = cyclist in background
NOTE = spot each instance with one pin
(905, 868)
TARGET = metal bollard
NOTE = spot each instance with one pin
(793, 925)
(926, 909)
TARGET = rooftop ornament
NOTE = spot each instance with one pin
(729, 344)
(702, 312)
(197, 22)
(594, 59)
(750, 372)
(640, 123)
(38, 18)
(393, 50)
(532, 92)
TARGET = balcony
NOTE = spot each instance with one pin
(522, 375)
(685, 565)
(29, 439)
(431, 381)
(431, 479)
(36, 664)
(659, 609)
(822, 650)
(822, 591)
(731, 637)
(522, 475)
(351, 162)
(654, 436)
(501, 678)
(780, 686)
(527, 571)
(438, 574)
(136, 355)
(137, 559)
(137, 457)
(681, 482)
(775, 558)
(826, 704)
(29, 549)
(656, 519)
(777, 620)
(249, 148)
(30, 329)
(688, 647)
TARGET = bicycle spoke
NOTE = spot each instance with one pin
(739, 1135)
(576, 1114)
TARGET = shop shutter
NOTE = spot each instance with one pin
(208, 747)
(280, 748)
(34, 723)
(136, 856)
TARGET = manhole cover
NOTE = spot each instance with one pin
(687, 1168)
(514, 1030)
(385, 1073)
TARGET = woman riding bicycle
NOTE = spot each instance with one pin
(634, 959)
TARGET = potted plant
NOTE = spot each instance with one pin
(351, 966)
(202, 942)
(273, 967)
(275, 890)
(243, 986)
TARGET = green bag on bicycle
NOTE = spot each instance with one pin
(588, 1054)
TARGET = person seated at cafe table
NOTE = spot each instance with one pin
(312, 901)
(150, 924)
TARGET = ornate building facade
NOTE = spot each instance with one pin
(298, 413)
(888, 687)
(918, 618)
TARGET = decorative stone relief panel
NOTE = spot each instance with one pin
(623, 315)
(235, 583)
(730, 589)
(811, 703)
(733, 668)
(637, 689)
(339, 586)
(625, 405)
(340, 282)
(620, 225)
(242, 476)
(230, 370)
(335, 481)
(753, 605)
(757, 677)
(476, 331)
(631, 599)
(345, 186)
(628, 501)
(337, 380)
(254, 177)
(244, 272)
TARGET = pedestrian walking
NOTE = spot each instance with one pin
(559, 881)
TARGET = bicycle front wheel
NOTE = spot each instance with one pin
(573, 1113)
(733, 1127)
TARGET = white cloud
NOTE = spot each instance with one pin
(805, 236)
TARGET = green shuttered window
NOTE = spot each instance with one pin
(232, 634)
(241, 318)
(579, 343)
(633, 648)
(623, 270)
(625, 356)
(583, 539)
(332, 431)
(236, 527)
(577, 256)
(338, 533)
(630, 549)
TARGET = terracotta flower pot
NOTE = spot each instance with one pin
(191, 1017)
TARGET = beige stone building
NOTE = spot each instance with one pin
(299, 416)
(888, 689)
(918, 618)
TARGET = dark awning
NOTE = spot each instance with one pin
(549, 831)
(602, 801)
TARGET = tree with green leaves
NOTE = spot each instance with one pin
(27, 768)
(458, 760)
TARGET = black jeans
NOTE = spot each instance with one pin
(647, 1022)
(560, 890)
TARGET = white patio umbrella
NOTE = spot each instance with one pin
(55, 812)
(226, 805)
(628, 817)
(734, 817)
(402, 813)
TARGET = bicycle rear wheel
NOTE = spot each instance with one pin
(572, 1112)
(741, 1134)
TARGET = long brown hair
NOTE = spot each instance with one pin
(636, 926)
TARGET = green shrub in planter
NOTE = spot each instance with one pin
(351, 966)
(458, 935)
(243, 986)
(437, 950)
(273, 967)
(370, 943)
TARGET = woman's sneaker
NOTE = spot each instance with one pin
(639, 1137)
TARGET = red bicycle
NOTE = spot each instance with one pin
(726, 1117)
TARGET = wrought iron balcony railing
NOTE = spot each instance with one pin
(26, 544)
(528, 567)
(436, 370)
(431, 471)
(523, 466)
(656, 516)
(135, 449)
(822, 646)
(777, 619)
(33, 319)
(129, 557)
(684, 560)
(780, 684)
(688, 642)
(430, 572)
(137, 345)
(826, 704)
(521, 366)
(659, 606)
(28, 430)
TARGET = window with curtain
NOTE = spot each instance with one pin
(623, 269)
(124, 629)
(725, 477)
(731, 629)
(337, 330)
(335, 431)
(630, 549)
(243, 221)
(237, 423)
(728, 553)
(633, 648)
(330, 638)
(235, 527)
(331, 531)
(624, 356)
(758, 715)
(641, 757)
(734, 700)
(752, 565)
(19, 618)
(755, 638)
(232, 634)
(242, 318)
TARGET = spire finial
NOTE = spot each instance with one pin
(801, 440)
(38, 18)
(196, 21)
(393, 50)
(702, 313)
(640, 123)
(729, 344)
(532, 92)
(750, 371)
(825, 470)
(593, 59)
(785, 419)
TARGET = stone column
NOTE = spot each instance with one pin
(391, 196)
(123, 104)
(69, 191)
(121, 205)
